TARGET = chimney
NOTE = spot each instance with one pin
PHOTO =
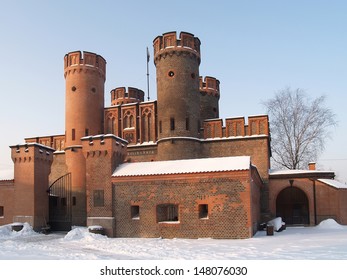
(311, 166)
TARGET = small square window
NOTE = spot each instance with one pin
(203, 211)
(135, 212)
(167, 213)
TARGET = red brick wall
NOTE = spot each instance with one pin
(32, 165)
(7, 201)
(255, 147)
(228, 196)
(330, 202)
(102, 156)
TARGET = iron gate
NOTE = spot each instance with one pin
(60, 203)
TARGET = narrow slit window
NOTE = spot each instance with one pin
(172, 124)
(187, 123)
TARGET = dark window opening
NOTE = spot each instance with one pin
(187, 123)
(167, 213)
(86, 132)
(135, 212)
(160, 127)
(203, 211)
(73, 134)
(172, 124)
(74, 200)
(1, 211)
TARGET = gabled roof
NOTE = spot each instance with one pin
(186, 166)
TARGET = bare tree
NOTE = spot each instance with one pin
(299, 127)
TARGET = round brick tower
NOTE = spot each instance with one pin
(178, 95)
(209, 91)
(84, 106)
(121, 96)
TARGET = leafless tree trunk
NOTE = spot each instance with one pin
(299, 127)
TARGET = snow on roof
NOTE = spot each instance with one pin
(296, 172)
(185, 166)
(333, 183)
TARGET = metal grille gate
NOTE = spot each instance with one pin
(60, 203)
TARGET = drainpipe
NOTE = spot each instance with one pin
(314, 202)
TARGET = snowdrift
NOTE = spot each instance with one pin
(330, 224)
(6, 231)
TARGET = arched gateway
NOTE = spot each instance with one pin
(292, 206)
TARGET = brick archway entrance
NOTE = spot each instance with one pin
(292, 206)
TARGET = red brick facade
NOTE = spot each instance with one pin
(324, 201)
(183, 123)
(227, 197)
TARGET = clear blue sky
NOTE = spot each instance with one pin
(253, 47)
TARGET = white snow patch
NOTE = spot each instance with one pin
(277, 223)
(83, 234)
(327, 241)
(330, 224)
(183, 166)
(6, 231)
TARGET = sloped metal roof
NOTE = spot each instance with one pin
(201, 165)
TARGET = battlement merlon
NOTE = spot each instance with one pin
(236, 127)
(209, 85)
(78, 58)
(30, 151)
(168, 41)
(121, 95)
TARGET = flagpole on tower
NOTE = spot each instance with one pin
(147, 74)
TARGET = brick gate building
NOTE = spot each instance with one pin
(164, 168)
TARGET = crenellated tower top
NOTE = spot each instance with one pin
(121, 95)
(169, 42)
(209, 85)
(87, 59)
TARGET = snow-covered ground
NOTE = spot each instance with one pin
(298, 252)
(327, 241)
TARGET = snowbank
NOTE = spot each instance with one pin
(330, 224)
(82, 233)
(7, 232)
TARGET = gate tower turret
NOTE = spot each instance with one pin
(177, 67)
(85, 75)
